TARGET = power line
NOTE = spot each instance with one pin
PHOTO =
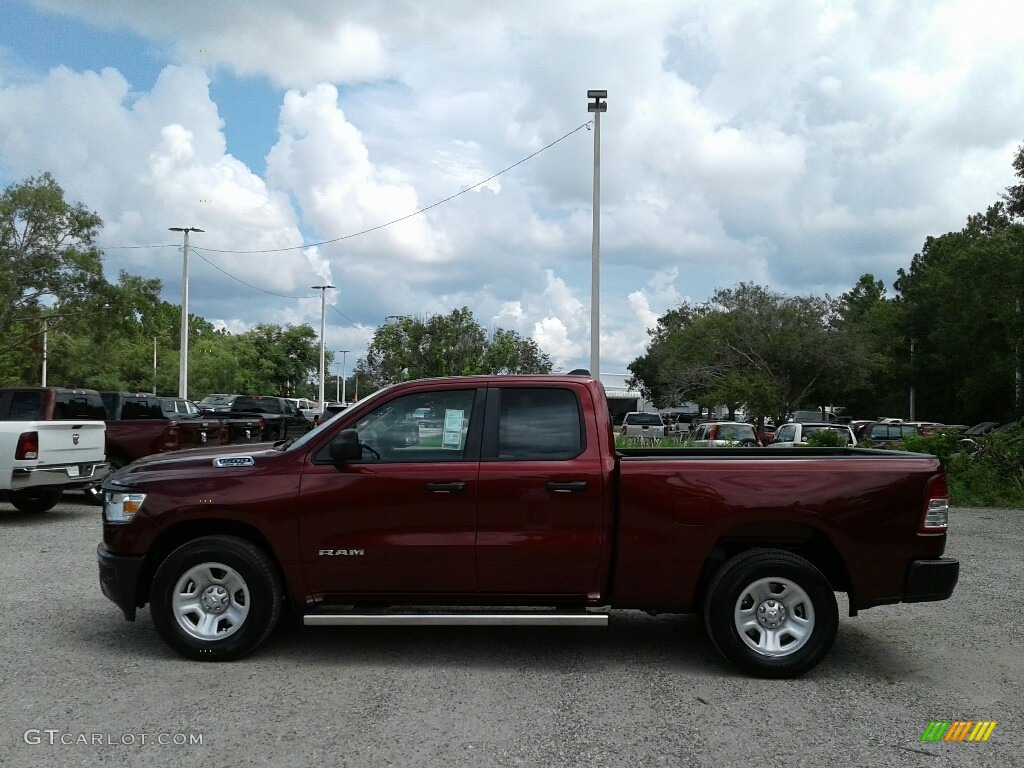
(254, 287)
(263, 290)
(379, 226)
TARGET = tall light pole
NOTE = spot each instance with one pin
(323, 327)
(344, 354)
(46, 330)
(183, 371)
(597, 107)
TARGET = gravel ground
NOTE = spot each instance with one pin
(641, 692)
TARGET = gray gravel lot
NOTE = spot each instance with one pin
(643, 692)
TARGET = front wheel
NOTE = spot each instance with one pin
(771, 613)
(216, 598)
(36, 500)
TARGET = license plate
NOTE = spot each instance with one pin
(72, 471)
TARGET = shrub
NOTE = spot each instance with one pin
(826, 438)
(986, 473)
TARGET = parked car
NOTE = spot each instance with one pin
(981, 429)
(888, 434)
(717, 434)
(643, 425)
(793, 434)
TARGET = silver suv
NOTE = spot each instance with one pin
(719, 434)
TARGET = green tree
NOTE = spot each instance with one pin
(1014, 197)
(446, 345)
(47, 257)
(748, 345)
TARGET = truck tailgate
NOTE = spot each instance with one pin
(65, 442)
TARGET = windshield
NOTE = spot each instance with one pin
(314, 433)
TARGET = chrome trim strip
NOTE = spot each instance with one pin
(451, 619)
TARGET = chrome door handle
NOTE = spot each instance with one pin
(576, 486)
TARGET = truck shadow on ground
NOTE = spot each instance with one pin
(675, 644)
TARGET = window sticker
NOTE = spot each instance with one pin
(452, 436)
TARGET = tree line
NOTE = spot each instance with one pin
(106, 335)
(948, 343)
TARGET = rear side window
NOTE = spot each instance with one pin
(141, 409)
(79, 405)
(539, 424)
(24, 406)
(257, 404)
(644, 419)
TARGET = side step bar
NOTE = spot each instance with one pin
(460, 619)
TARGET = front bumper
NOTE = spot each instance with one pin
(119, 579)
(931, 580)
(64, 475)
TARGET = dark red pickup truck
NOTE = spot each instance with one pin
(502, 500)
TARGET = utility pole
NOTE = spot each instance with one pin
(183, 371)
(597, 106)
(323, 327)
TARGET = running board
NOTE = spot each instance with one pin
(460, 619)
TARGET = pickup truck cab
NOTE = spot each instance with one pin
(515, 508)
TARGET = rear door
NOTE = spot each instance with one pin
(542, 516)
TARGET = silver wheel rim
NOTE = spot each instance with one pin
(774, 617)
(210, 601)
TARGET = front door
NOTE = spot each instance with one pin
(403, 519)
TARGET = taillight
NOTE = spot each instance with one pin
(263, 423)
(935, 516)
(225, 437)
(28, 446)
(172, 439)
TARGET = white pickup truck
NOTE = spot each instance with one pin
(39, 460)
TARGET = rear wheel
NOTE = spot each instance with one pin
(771, 613)
(36, 500)
(216, 598)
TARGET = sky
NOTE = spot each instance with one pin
(446, 151)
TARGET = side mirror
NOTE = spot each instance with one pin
(345, 446)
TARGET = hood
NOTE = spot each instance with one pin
(194, 458)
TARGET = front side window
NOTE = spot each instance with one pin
(541, 424)
(422, 426)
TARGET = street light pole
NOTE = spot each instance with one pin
(183, 371)
(323, 327)
(46, 329)
(344, 354)
(597, 106)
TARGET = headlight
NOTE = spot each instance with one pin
(121, 507)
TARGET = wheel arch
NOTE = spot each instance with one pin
(190, 530)
(801, 539)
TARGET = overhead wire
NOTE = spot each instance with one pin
(378, 226)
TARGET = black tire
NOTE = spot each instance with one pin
(771, 613)
(93, 494)
(748, 444)
(36, 500)
(216, 598)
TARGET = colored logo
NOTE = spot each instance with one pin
(959, 730)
